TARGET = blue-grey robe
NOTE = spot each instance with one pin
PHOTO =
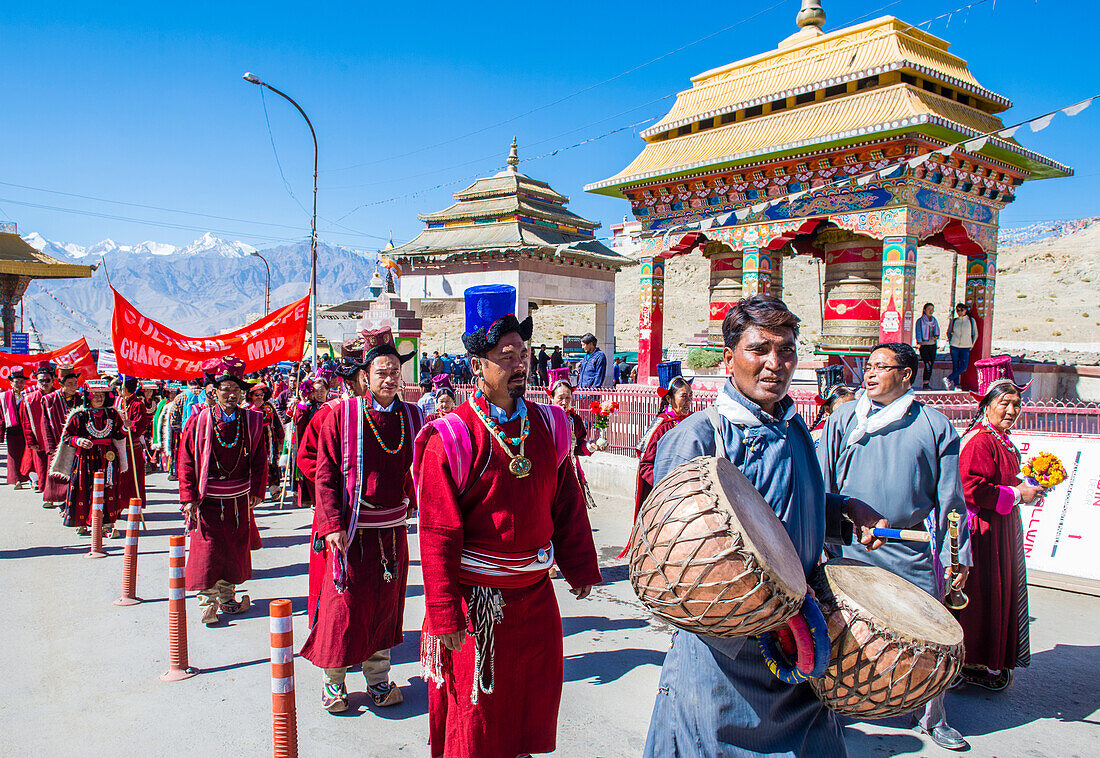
(909, 472)
(717, 698)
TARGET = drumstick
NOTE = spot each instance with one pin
(909, 535)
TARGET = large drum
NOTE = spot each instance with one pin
(708, 554)
(895, 647)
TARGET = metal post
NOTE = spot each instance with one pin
(267, 290)
(249, 77)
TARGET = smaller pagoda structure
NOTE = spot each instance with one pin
(19, 264)
(512, 229)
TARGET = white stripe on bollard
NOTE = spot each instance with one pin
(177, 593)
(282, 654)
(131, 540)
(282, 686)
(176, 572)
(281, 624)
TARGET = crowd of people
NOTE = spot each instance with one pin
(497, 485)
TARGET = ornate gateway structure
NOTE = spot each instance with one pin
(755, 156)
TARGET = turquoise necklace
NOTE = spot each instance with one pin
(519, 465)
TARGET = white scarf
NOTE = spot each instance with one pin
(738, 415)
(866, 423)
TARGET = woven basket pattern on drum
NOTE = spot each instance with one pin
(689, 565)
(874, 673)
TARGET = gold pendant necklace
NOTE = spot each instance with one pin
(519, 465)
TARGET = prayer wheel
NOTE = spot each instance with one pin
(853, 291)
(725, 290)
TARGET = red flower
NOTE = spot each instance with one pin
(594, 407)
(614, 405)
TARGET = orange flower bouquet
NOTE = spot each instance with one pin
(1044, 470)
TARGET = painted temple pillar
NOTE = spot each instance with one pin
(756, 275)
(981, 275)
(651, 318)
(605, 332)
(899, 281)
(726, 269)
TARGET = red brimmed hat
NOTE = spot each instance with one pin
(993, 371)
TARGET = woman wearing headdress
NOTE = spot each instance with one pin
(260, 398)
(313, 393)
(676, 396)
(995, 621)
(443, 396)
(561, 395)
(831, 394)
(98, 439)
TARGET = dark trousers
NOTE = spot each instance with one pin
(960, 360)
(928, 358)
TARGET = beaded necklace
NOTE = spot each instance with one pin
(237, 427)
(1001, 438)
(378, 437)
(519, 464)
(99, 432)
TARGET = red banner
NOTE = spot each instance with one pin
(76, 353)
(147, 349)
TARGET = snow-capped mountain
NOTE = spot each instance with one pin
(202, 288)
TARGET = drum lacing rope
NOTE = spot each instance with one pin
(862, 698)
(769, 613)
(486, 607)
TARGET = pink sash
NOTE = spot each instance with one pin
(7, 404)
(204, 441)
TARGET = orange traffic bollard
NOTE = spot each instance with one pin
(96, 550)
(284, 714)
(177, 613)
(129, 557)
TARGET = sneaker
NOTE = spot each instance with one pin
(234, 607)
(994, 682)
(173, 478)
(334, 698)
(385, 694)
(83, 531)
(947, 384)
(210, 614)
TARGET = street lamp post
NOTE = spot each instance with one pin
(267, 290)
(250, 77)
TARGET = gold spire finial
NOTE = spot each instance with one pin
(811, 14)
(513, 157)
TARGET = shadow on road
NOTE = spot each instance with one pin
(44, 551)
(604, 666)
(577, 624)
(290, 569)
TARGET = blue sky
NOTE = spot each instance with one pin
(144, 103)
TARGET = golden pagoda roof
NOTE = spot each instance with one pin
(19, 258)
(875, 47)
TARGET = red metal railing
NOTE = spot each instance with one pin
(639, 404)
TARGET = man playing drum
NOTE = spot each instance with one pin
(905, 455)
(717, 697)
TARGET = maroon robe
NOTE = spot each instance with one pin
(667, 423)
(349, 627)
(11, 432)
(501, 513)
(580, 434)
(78, 504)
(307, 467)
(32, 416)
(219, 543)
(305, 432)
(275, 434)
(139, 421)
(995, 622)
(57, 408)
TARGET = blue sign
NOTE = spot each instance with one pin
(20, 343)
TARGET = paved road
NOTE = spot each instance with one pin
(80, 674)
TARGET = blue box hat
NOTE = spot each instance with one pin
(490, 314)
(666, 372)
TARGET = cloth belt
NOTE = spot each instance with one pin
(483, 568)
(226, 489)
(375, 517)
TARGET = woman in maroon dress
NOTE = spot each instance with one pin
(676, 398)
(561, 395)
(97, 435)
(445, 402)
(995, 622)
(314, 395)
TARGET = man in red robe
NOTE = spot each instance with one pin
(131, 406)
(364, 493)
(222, 473)
(32, 416)
(56, 407)
(11, 427)
(499, 505)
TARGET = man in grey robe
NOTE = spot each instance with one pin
(903, 457)
(717, 698)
